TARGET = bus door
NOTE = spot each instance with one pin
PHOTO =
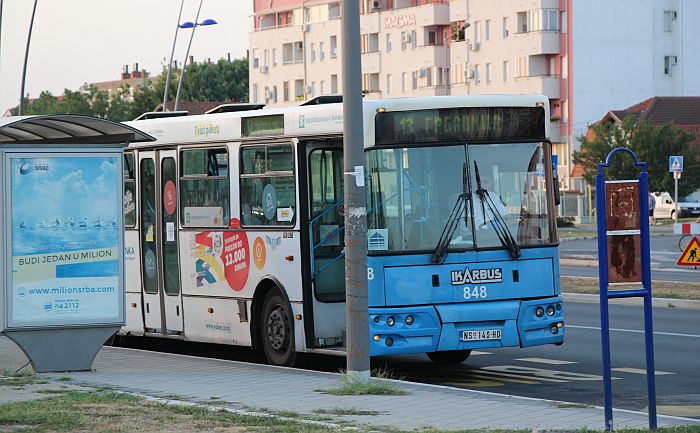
(167, 230)
(148, 242)
(326, 232)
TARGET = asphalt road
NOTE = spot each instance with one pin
(664, 254)
(571, 372)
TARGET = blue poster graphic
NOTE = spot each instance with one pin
(65, 214)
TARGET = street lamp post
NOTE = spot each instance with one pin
(193, 26)
(26, 58)
(170, 62)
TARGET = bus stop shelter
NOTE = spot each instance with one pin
(62, 237)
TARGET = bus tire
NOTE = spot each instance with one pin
(449, 356)
(277, 330)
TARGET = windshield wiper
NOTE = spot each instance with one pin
(453, 221)
(497, 222)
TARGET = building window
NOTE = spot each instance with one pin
(432, 37)
(563, 21)
(334, 47)
(313, 53)
(292, 52)
(333, 11)
(274, 94)
(477, 74)
(388, 83)
(521, 70)
(321, 54)
(505, 27)
(477, 32)
(334, 83)
(274, 57)
(669, 61)
(414, 40)
(488, 30)
(370, 83)
(255, 92)
(403, 82)
(414, 80)
(669, 17)
(405, 40)
(285, 91)
(488, 73)
(505, 70)
(369, 43)
(267, 172)
(298, 90)
(388, 42)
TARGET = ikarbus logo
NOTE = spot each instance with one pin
(28, 167)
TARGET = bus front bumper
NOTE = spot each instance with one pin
(479, 325)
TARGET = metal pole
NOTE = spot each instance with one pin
(604, 314)
(675, 196)
(26, 58)
(184, 64)
(646, 283)
(355, 200)
(172, 53)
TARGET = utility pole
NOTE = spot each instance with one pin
(26, 58)
(355, 199)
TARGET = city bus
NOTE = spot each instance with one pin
(234, 227)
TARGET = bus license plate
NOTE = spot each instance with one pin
(480, 335)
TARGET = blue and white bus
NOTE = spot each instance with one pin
(235, 227)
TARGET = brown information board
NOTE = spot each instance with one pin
(624, 259)
(622, 205)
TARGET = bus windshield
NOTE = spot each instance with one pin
(412, 192)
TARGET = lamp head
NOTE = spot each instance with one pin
(187, 25)
(207, 22)
(466, 25)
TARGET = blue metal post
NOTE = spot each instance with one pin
(645, 292)
(646, 281)
(603, 276)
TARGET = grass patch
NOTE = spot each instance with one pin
(660, 289)
(377, 385)
(18, 380)
(116, 412)
(64, 379)
(346, 411)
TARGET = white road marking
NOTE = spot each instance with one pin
(639, 371)
(635, 331)
(546, 361)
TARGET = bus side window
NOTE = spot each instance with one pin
(268, 191)
(129, 191)
(204, 187)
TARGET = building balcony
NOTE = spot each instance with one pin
(432, 14)
(547, 85)
(539, 42)
(429, 55)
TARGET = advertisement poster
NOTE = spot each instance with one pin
(65, 240)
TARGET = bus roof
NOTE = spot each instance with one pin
(306, 121)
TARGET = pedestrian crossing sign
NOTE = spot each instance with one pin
(691, 255)
(675, 164)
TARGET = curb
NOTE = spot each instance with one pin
(684, 304)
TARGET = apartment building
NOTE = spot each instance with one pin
(587, 56)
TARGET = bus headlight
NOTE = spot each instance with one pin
(409, 320)
(550, 311)
(539, 312)
(390, 321)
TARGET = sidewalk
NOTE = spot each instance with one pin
(246, 388)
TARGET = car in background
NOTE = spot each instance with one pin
(666, 207)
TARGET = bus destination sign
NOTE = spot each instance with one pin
(460, 124)
(260, 126)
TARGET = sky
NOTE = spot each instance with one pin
(84, 41)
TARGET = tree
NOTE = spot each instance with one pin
(652, 144)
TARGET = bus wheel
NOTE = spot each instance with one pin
(278, 333)
(449, 356)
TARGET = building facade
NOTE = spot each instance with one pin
(586, 56)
